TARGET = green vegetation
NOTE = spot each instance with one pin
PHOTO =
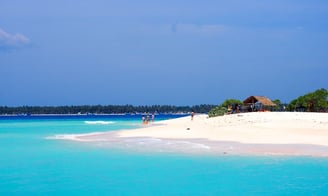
(316, 101)
(99, 109)
(222, 109)
(230, 102)
(311, 102)
(278, 106)
(217, 111)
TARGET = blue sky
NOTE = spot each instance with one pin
(160, 52)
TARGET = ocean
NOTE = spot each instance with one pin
(34, 162)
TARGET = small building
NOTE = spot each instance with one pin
(258, 103)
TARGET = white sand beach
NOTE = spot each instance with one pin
(282, 133)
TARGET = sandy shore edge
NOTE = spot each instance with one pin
(260, 133)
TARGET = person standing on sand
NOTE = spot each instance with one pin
(192, 115)
(148, 118)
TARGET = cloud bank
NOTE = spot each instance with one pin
(8, 40)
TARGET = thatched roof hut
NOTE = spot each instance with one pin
(263, 100)
(259, 103)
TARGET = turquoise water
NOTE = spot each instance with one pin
(30, 164)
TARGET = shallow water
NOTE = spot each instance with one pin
(32, 164)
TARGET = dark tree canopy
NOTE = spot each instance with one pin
(311, 102)
(230, 102)
(100, 109)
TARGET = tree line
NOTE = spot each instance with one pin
(316, 101)
(104, 109)
(311, 102)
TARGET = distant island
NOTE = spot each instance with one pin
(104, 109)
(311, 102)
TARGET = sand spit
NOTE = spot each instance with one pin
(277, 133)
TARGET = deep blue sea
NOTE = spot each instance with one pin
(31, 164)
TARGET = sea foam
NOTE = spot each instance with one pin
(99, 122)
(75, 137)
(65, 137)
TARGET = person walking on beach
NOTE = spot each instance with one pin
(192, 115)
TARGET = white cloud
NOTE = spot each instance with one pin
(8, 40)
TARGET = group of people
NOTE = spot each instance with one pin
(146, 119)
(235, 108)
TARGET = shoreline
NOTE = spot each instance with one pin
(88, 115)
(258, 133)
(195, 146)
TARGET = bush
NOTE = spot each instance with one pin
(231, 102)
(312, 102)
(217, 111)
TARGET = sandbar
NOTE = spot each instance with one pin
(256, 133)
